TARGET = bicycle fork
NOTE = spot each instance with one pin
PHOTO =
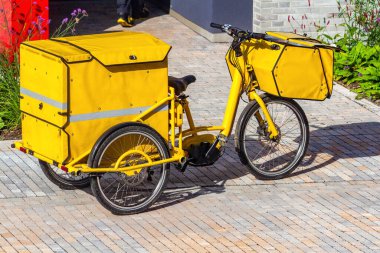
(232, 105)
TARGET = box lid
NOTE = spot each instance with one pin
(110, 49)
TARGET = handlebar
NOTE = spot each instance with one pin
(239, 36)
(237, 32)
(218, 26)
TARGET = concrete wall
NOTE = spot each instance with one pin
(203, 12)
(198, 14)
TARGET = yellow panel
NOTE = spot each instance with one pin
(114, 95)
(84, 134)
(116, 88)
(43, 81)
(44, 138)
(47, 112)
(263, 59)
(328, 66)
(299, 74)
(127, 47)
(63, 50)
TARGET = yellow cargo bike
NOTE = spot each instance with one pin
(101, 110)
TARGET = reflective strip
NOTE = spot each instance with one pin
(114, 113)
(46, 100)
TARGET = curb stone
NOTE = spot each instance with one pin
(352, 96)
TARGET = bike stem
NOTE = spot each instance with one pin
(232, 104)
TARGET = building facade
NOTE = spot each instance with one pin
(301, 16)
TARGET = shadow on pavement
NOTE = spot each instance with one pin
(169, 198)
(344, 141)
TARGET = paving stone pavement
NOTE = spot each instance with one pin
(331, 203)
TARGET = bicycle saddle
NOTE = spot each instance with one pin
(180, 84)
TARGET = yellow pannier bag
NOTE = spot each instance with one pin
(74, 89)
(292, 66)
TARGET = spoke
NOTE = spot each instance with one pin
(259, 153)
(271, 147)
(266, 155)
(130, 191)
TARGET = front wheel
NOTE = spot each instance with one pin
(128, 193)
(269, 158)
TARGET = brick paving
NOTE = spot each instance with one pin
(330, 203)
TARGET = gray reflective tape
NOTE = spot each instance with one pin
(113, 113)
(46, 100)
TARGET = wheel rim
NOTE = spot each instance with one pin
(131, 192)
(275, 157)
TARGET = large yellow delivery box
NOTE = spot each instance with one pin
(74, 89)
(292, 66)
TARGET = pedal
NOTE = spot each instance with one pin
(182, 166)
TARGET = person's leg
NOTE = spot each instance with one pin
(138, 9)
(124, 10)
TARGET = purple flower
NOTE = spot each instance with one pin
(65, 20)
(84, 12)
(46, 7)
(34, 23)
(42, 32)
(49, 21)
(41, 19)
(74, 13)
(34, 3)
(378, 20)
(79, 10)
(30, 31)
(346, 67)
(360, 74)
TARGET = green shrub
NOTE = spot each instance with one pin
(360, 65)
(361, 21)
(9, 93)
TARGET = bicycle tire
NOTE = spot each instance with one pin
(249, 120)
(64, 180)
(113, 201)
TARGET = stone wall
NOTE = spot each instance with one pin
(273, 15)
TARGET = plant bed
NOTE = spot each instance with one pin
(358, 70)
(354, 86)
(14, 134)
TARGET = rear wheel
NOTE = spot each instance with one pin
(62, 179)
(272, 158)
(130, 192)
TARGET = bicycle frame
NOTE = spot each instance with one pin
(176, 115)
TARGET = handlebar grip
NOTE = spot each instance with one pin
(258, 35)
(214, 25)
